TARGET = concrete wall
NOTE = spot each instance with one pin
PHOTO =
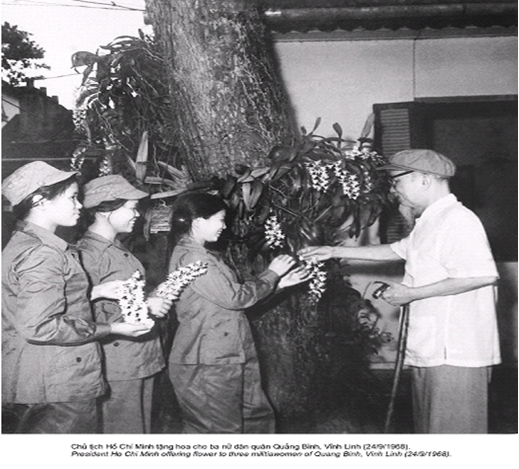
(340, 81)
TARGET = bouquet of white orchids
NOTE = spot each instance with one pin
(133, 302)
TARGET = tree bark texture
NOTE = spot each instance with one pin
(228, 103)
(229, 108)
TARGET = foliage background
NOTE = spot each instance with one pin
(314, 350)
(20, 54)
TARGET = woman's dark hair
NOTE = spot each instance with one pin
(190, 206)
(88, 215)
(21, 210)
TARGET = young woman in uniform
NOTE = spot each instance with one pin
(213, 364)
(51, 360)
(130, 364)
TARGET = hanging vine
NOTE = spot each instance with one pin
(123, 103)
(312, 190)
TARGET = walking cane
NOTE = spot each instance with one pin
(402, 340)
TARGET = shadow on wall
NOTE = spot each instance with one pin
(507, 310)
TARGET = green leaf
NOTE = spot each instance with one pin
(296, 179)
(263, 213)
(336, 199)
(83, 58)
(282, 153)
(234, 201)
(375, 211)
(257, 189)
(142, 158)
(317, 124)
(307, 146)
(367, 126)
(338, 212)
(162, 195)
(230, 184)
(257, 173)
(194, 186)
(274, 169)
(243, 172)
(246, 178)
(307, 230)
(293, 152)
(282, 170)
(241, 209)
(246, 189)
(176, 174)
(86, 74)
(338, 129)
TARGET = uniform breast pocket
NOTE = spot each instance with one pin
(61, 359)
(68, 362)
(221, 343)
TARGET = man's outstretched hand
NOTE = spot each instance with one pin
(317, 253)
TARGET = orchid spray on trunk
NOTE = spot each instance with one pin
(312, 190)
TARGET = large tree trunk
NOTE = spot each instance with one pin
(230, 108)
(228, 103)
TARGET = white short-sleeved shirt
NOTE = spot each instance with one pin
(449, 241)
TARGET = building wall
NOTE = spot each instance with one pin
(38, 128)
(340, 81)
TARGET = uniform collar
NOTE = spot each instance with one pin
(102, 240)
(189, 244)
(47, 237)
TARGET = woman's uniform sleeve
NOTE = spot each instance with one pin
(100, 270)
(52, 309)
(220, 286)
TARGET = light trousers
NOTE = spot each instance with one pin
(450, 399)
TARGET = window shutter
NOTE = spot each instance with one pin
(393, 134)
(393, 127)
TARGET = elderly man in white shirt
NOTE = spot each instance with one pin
(449, 284)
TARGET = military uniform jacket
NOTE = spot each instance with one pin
(125, 358)
(48, 332)
(213, 328)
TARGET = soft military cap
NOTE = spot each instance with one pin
(29, 178)
(109, 188)
(423, 161)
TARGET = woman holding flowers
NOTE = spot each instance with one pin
(129, 364)
(213, 363)
(51, 361)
